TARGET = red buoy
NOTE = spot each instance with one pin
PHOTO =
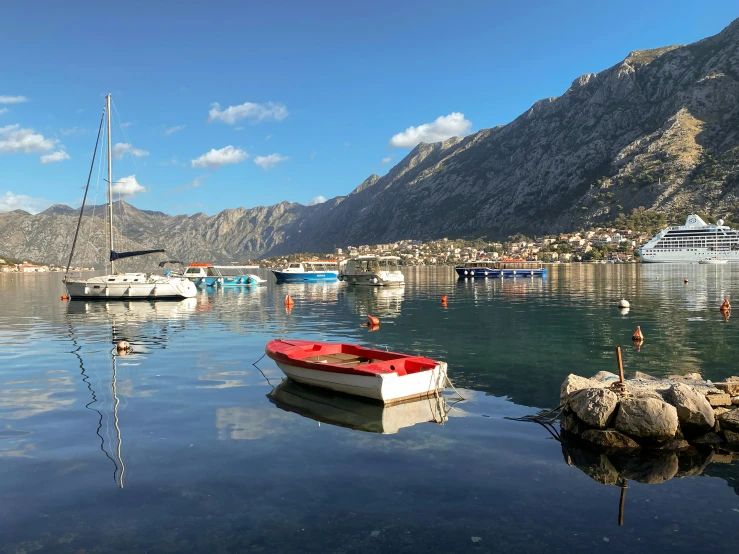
(443, 299)
(725, 307)
(638, 336)
(373, 321)
(65, 297)
(289, 301)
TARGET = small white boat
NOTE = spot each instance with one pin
(375, 271)
(356, 413)
(713, 261)
(122, 286)
(349, 368)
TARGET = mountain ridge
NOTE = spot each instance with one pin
(659, 129)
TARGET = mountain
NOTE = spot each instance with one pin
(659, 130)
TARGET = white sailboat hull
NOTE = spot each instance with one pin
(388, 388)
(129, 286)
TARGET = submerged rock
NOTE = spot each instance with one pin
(693, 410)
(650, 468)
(594, 406)
(729, 420)
(647, 418)
(610, 438)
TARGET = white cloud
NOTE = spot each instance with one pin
(128, 186)
(173, 161)
(268, 162)
(217, 158)
(317, 200)
(247, 110)
(445, 126)
(122, 148)
(13, 99)
(386, 160)
(195, 183)
(174, 129)
(14, 139)
(58, 156)
(10, 202)
(3, 110)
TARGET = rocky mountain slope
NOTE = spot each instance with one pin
(659, 130)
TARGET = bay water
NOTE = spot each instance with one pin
(185, 445)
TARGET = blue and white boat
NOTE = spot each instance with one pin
(502, 268)
(317, 270)
(209, 275)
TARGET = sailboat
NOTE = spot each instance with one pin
(127, 286)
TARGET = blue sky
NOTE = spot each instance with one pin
(312, 97)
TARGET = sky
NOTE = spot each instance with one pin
(225, 104)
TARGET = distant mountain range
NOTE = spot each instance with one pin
(659, 130)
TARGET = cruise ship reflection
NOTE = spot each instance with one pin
(354, 413)
(383, 302)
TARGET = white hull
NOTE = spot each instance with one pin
(129, 286)
(713, 262)
(649, 256)
(381, 279)
(388, 388)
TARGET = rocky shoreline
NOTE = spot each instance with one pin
(680, 413)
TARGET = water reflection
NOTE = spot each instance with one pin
(356, 413)
(383, 302)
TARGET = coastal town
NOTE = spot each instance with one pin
(603, 244)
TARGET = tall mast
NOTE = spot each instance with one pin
(110, 188)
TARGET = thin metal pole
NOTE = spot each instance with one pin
(621, 510)
(110, 188)
(620, 365)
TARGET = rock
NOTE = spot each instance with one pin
(735, 400)
(674, 445)
(731, 438)
(729, 387)
(647, 418)
(644, 376)
(719, 399)
(574, 383)
(650, 468)
(572, 424)
(686, 377)
(595, 465)
(729, 420)
(594, 406)
(721, 458)
(610, 438)
(604, 377)
(709, 439)
(641, 391)
(720, 410)
(693, 410)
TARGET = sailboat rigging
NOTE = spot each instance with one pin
(126, 286)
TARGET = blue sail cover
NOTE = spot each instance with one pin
(120, 255)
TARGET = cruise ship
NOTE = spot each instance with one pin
(696, 241)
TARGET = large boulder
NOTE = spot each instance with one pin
(719, 399)
(574, 383)
(610, 438)
(729, 386)
(594, 406)
(646, 418)
(729, 420)
(693, 410)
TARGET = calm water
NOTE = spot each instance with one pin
(178, 448)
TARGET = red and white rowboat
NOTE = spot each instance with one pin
(353, 369)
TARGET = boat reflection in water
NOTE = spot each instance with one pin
(383, 302)
(356, 413)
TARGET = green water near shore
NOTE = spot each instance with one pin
(177, 447)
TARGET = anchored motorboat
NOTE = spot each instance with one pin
(372, 270)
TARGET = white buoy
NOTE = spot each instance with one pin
(623, 303)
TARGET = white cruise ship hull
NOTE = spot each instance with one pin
(694, 242)
(130, 286)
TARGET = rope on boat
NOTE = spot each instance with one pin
(449, 381)
(262, 372)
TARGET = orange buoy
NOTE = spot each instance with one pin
(123, 346)
(686, 281)
(373, 321)
(638, 336)
(373, 328)
(725, 307)
(289, 301)
(443, 299)
(64, 297)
